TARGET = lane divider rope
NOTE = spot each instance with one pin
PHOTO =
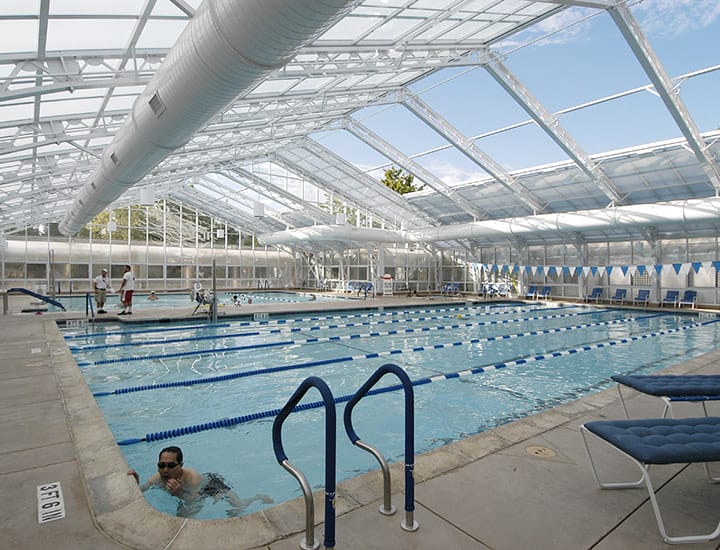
(228, 422)
(319, 339)
(310, 329)
(373, 355)
(270, 322)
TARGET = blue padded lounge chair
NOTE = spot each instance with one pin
(620, 295)
(671, 388)
(643, 297)
(595, 295)
(531, 293)
(544, 293)
(659, 441)
(689, 298)
(671, 297)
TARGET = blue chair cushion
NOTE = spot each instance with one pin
(672, 385)
(664, 440)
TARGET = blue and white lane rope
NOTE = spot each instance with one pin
(272, 322)
(199, 325)
(227, 422)
(336, 326)
(296, 366)
(212, 351)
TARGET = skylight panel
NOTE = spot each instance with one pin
(493, 31)
(80, 7)
(274, 86)
(350, 28)
(464, 29)
(166, 7)
(702, 107)
(508, 6)
(437, 30)
(393, 29)
(88, 34)
(13, 7)
(312, 84)
(120, 103)
(434, 4)
(18, 36)
(161, 33)
(9, 112)
(80, 105)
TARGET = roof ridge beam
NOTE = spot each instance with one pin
(383, 147)
(550, 124)
(668, 93)
(468, 147)
(321, 151)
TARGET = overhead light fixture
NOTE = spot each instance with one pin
(147, 196)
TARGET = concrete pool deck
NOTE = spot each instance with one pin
(526, 484)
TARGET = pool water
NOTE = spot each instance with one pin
(536, 357)
(225, 299)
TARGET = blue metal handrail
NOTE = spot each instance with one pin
(330, 443)
(89, 310)
(409, 524)
(38, 296)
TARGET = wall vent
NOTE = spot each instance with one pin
(114, 158)
(156, 104)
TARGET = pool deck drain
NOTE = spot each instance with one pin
(540, 451)
(469, 495)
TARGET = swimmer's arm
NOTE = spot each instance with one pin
(154, 480)
(191, 483)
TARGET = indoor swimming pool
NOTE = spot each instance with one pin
(473, 367)
(140, 300)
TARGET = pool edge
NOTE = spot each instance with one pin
(120, 511)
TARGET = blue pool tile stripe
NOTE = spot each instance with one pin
(296, 366)
(212, 351)
(314, 328)
(227, 422)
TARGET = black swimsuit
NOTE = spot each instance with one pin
(214, 486)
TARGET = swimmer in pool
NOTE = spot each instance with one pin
(192, 487)
(176, 480)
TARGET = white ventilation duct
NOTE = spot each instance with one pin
(639, 215)
(226, 49)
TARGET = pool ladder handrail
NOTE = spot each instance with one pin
(409, 523)
(89, 309)
(309, 543)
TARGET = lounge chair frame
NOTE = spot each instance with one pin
(645, 478)
(689, 298)
(619, 296)
(595, 295)
(671, 297)
(643, 297)
(705, 387)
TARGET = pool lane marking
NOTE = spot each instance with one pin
(314, 328)
(271, 322)
(200, 325)
(373, 355)
(228, 422)
(319, 339)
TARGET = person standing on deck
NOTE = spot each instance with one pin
(126, 290)
(100, 285)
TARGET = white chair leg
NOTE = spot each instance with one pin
(645, 479)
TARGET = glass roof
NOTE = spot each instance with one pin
(499, 108)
